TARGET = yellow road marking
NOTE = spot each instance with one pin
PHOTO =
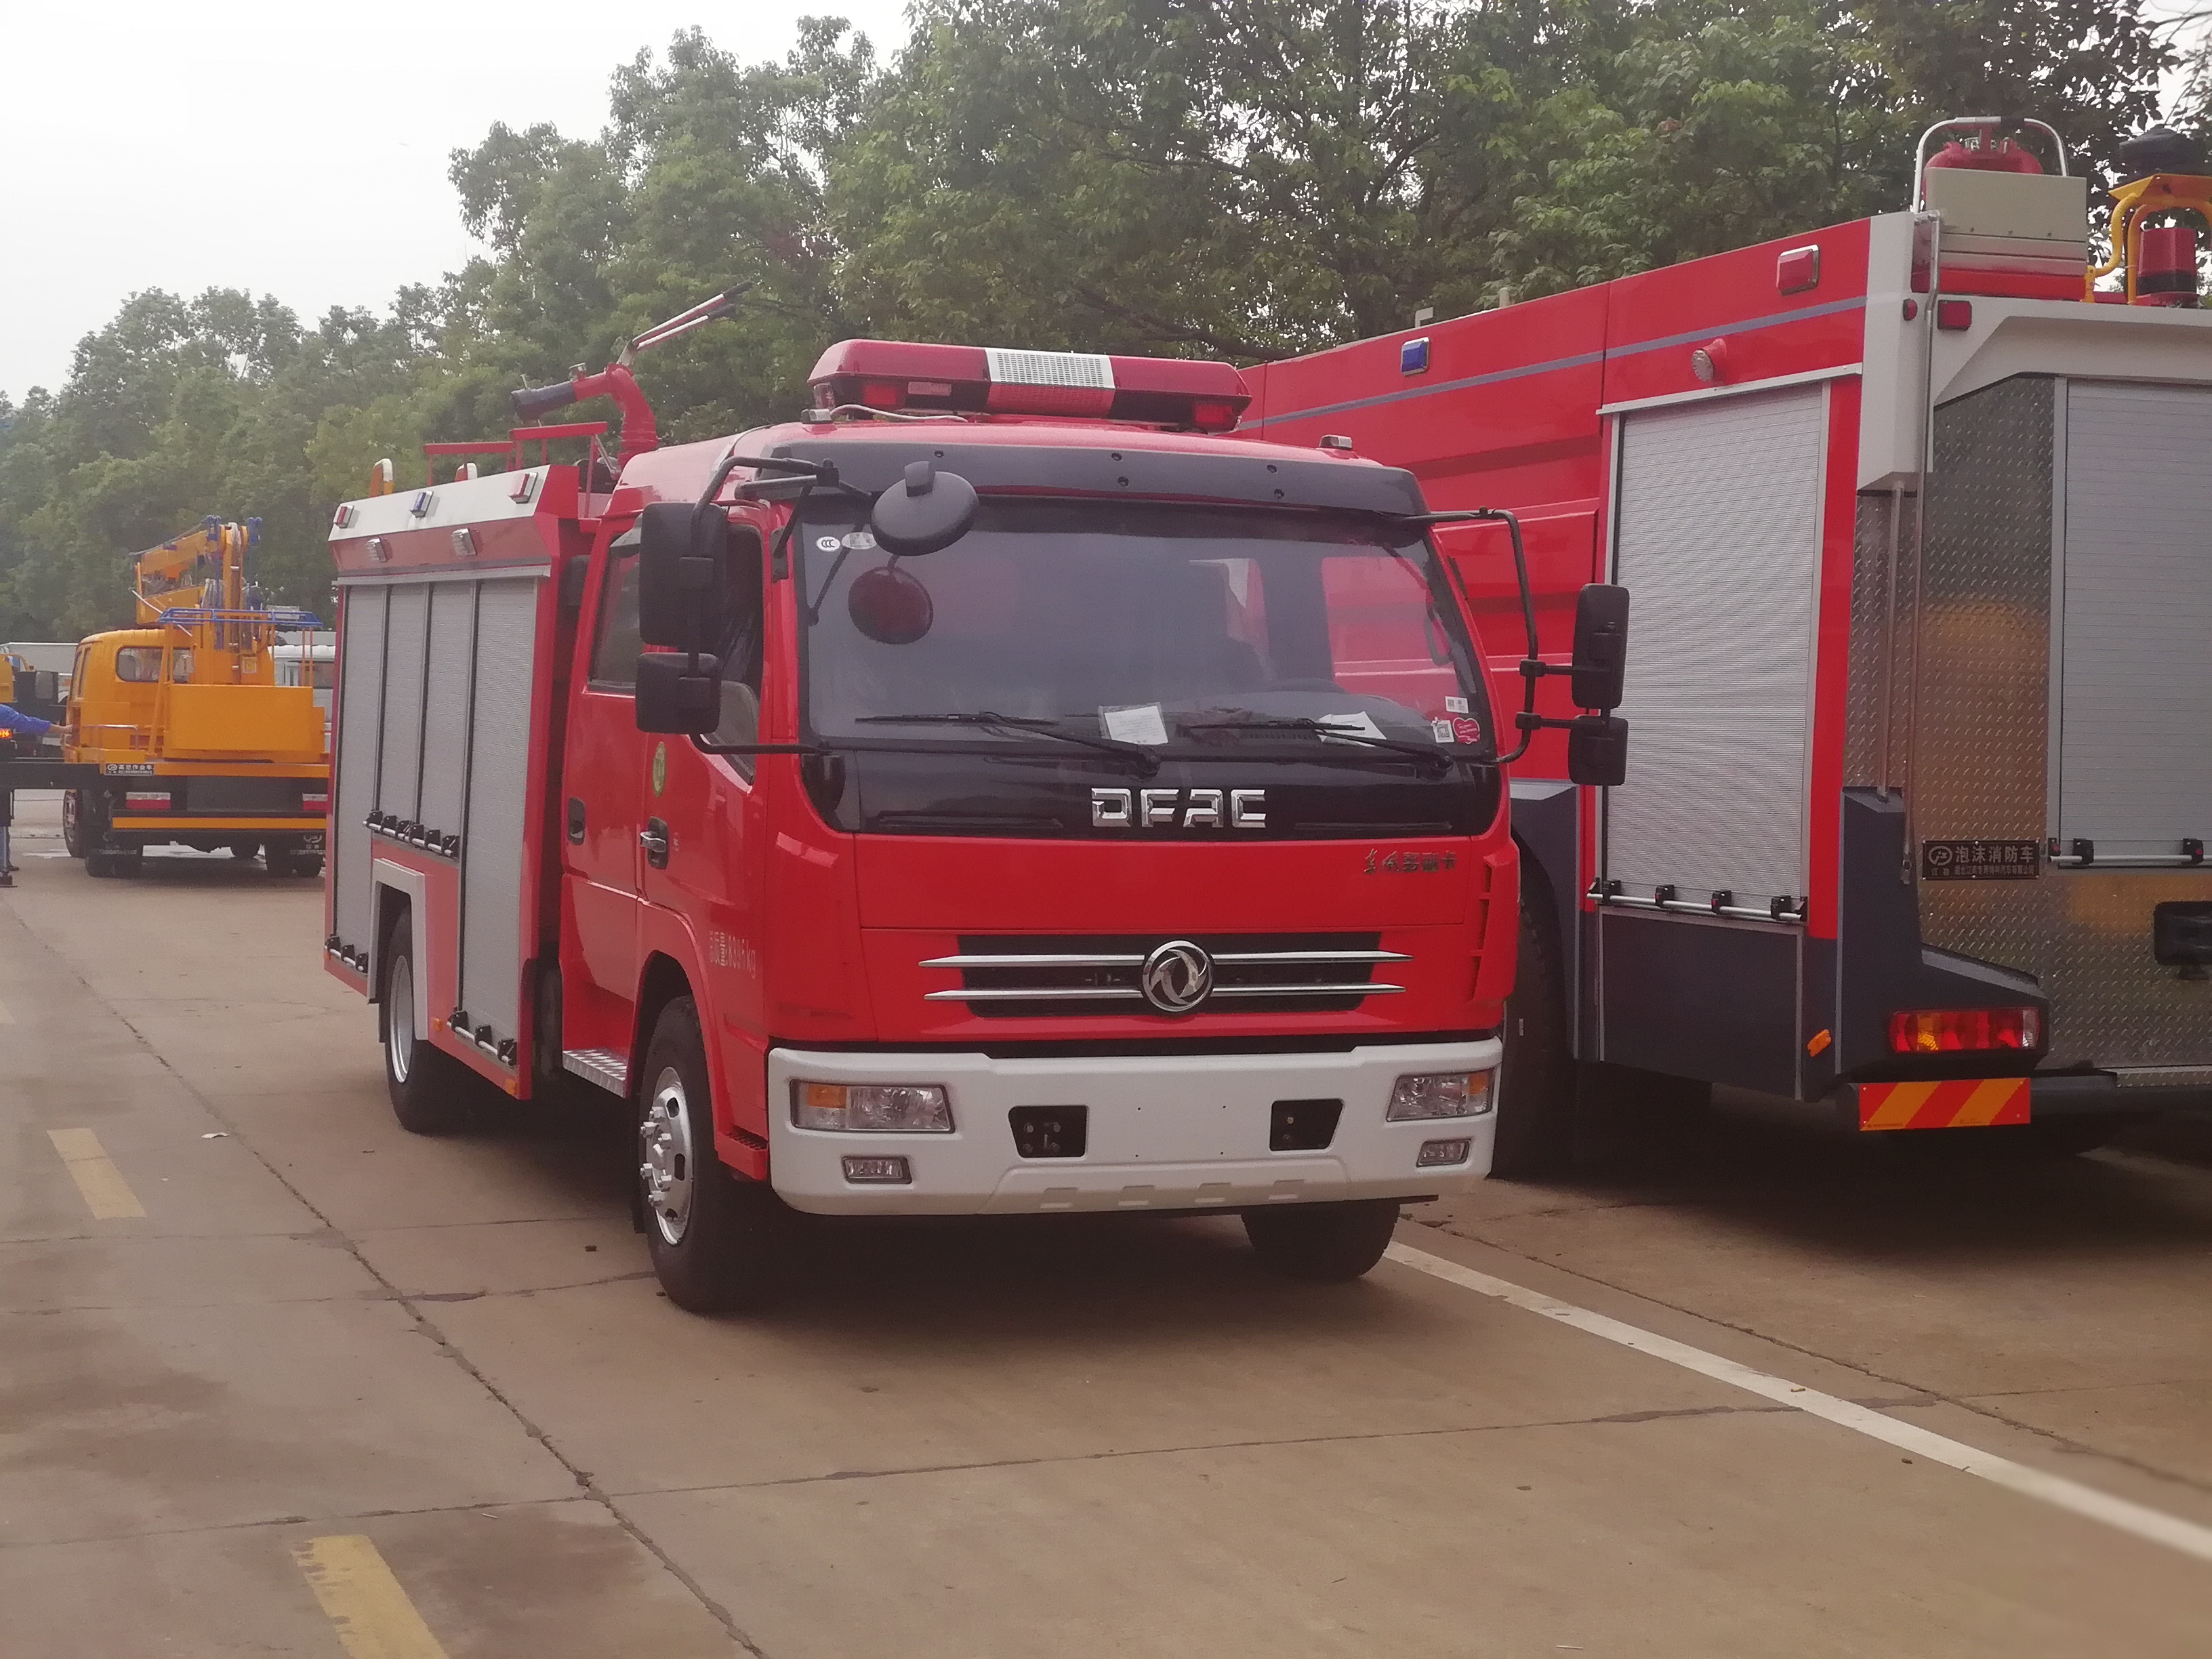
(106, 1194)
(374, 1618)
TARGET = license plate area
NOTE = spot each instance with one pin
(1050, 1131)
(1303, 1126)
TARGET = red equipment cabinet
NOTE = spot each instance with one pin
(1918, 691)
(1075, 899)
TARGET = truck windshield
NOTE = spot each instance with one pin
(1144, 624)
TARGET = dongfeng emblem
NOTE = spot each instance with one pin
(1177, 977)
(660, 767)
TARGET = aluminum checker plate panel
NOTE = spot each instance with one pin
(1882, 640)
(1981, 750)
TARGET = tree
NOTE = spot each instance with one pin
(1240, 177)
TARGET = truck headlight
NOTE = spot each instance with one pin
(1439, 1094)
(878, 1108)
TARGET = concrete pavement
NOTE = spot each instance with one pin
(1105, 1435)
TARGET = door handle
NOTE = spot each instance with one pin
(575, 821)
(655, 840)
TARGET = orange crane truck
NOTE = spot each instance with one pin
(195, 740)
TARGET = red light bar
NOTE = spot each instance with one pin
(146, 800)
(1181, 392)
(1958, 1030)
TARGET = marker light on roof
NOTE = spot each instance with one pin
(893, 374)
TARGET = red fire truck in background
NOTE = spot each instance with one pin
(998, 792)
(1920, 691)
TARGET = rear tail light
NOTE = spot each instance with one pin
(146, 800)
(318, 802)
(1965, 1030)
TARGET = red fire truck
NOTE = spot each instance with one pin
(1920, 691)
(998, 792)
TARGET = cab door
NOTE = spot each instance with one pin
(604, 781)
(705, 855)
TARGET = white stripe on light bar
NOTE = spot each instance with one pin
(1011, 366)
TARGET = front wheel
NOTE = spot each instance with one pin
(715, 1237)
(1322, 1243)
(429, 1089)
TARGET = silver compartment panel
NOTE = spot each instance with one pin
(1718, 537)
(1981, 749)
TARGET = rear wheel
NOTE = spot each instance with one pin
(72, 830)
(1536, 1080)
(243, 850)
(716, 1239)
(287, 856)
(1322, 1243)
(430, 1090)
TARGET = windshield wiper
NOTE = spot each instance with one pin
(1434, 758)
(1149, 763)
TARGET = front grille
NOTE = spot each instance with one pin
(1033, 976)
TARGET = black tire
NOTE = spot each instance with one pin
(72, 812)
(716, 1239)
(432, 1093)
(285, 856)
(244, 850)
(100, 864)
(1537, 1079)
(1322, 1243)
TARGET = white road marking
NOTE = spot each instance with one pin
(6, 1017)
(2055, 1489)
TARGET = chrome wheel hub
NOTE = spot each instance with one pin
(399, 1019)
(665, 1157)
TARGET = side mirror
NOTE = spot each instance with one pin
(925, 512)
(1600, 647)
(1597, 748)
(683, 587)
(676, 694)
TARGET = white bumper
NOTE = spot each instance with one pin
(1166, 1131)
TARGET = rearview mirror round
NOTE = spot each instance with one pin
(924, 512)
(889, 606)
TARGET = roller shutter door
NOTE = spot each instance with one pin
(360, 720)
(499, 739)
(2135, 617)
(1717, 540)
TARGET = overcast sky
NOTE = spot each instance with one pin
(290, 148)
